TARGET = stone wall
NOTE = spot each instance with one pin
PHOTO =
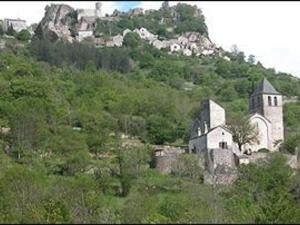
(221, 167)
(165, 157)
(164, 164)
(292, 160)
(198, 143)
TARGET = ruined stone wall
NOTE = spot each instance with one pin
(221, 167)
(164, 163)
(167, 157)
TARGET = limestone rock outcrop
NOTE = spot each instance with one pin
(56, 23)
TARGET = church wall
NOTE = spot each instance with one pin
(212, 114)
(265, 135)
(275, 115)
(200, 143)
(217, 115)
(218, 135)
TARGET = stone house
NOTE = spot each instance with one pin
(17, 24)
(82, 34)
(175, 47)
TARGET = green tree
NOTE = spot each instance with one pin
(243, 132)
(10, 31)
(188, 166)
(1, 30)
(160, 129)
(132, 40)
(23, 35)
(132, 162)
(56, 212)
(262, 194)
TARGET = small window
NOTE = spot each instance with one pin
(269, 100)
(223, 145)
(275, 101)
(258, 101)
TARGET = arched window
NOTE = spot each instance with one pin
(275, 101)
(258, 101)
(269, 100)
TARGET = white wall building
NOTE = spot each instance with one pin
(95, 13)
(17, 24)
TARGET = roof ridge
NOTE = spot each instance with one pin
(265, 87)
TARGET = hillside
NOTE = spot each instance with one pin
(65, 105)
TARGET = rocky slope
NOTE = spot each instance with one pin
(60, 23)
(56, 23)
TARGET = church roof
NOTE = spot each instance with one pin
(265, 87)
(210, 130)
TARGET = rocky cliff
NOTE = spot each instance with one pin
(57, 23)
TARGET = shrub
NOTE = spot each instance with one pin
(132, 40)
(263, 150)
(23, 35)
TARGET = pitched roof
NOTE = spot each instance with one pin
(265, 87)
(212, 129)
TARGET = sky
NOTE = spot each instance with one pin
(268, 30)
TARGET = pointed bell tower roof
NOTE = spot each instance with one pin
(265, 87)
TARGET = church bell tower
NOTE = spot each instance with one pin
(268, 102)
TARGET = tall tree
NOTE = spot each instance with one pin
(243, 132)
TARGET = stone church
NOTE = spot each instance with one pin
(209, 130)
